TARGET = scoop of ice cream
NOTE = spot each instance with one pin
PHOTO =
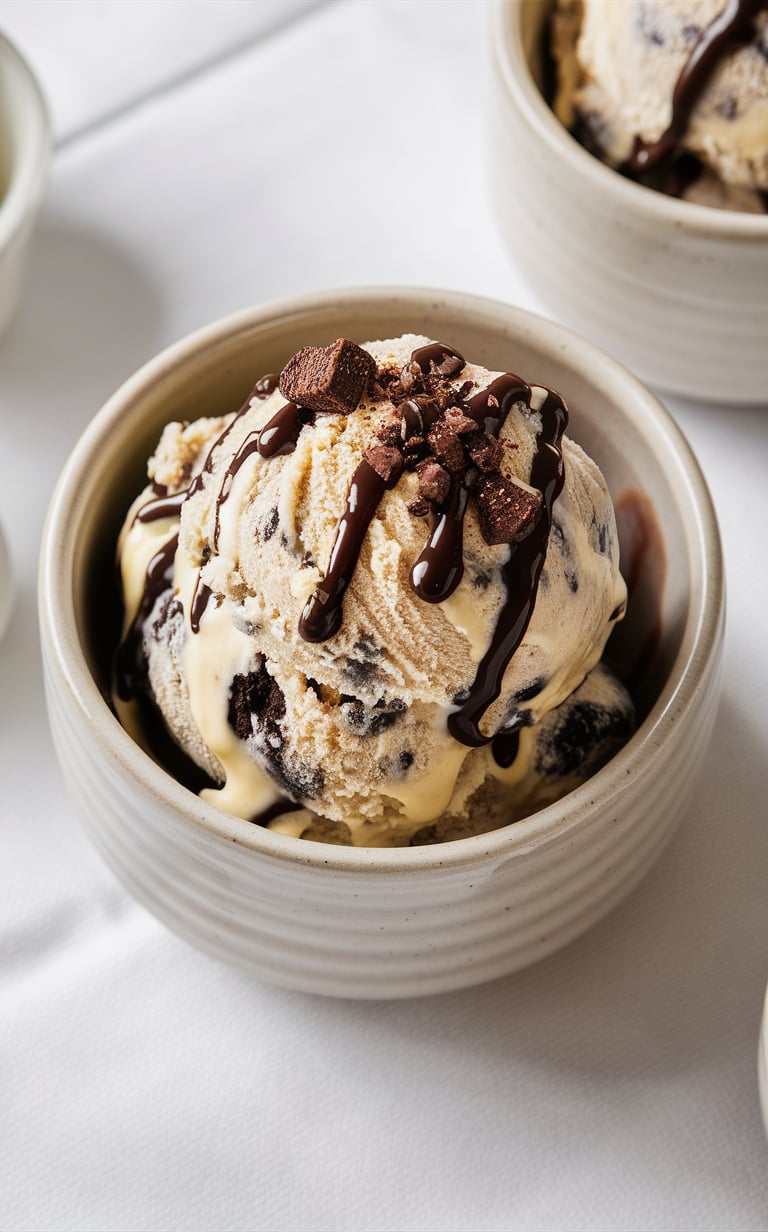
(689, 74)
(366, 599)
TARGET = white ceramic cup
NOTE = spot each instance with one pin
(358, 921)
(24, 158)
(678, 292)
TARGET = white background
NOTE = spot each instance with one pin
(210, 156)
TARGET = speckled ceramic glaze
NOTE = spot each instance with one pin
(24, 155)
(355, 921)
(676, 291)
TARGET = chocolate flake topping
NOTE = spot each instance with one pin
(331, 379)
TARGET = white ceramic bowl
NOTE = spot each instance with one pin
(6, 584)
(762, 1064)
(24, 157)
(356, 921)
(677, 291)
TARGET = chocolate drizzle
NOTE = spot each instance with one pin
(281, 433)
(447, 361)
(162, 507)
(440, 566)
(732, 27)
(321, 617)
(521, 573)
(200, 600)
(158, 578)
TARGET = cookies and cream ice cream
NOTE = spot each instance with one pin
(673, 92)
(370, 607)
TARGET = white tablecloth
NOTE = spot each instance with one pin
(209, 156)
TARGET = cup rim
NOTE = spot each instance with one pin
(656, 207)
(30, 162)
(66, 658)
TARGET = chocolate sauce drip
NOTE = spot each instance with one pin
(491, 406)
(281, 433)
(275, 810)
(734, 26)
(440, 565)
(130, 669)
(437, 353)
(200, 601)
(321, 617)
(162, 507)
(265, 385)
(262, 389)
(521, 572)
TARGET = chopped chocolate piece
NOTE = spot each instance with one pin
(446, 445)
(411, 378)
(332, 378)
(419, 508)
(386, 461)
(450, 365)
(256, 702)
(458, 422)
(507, 513)
(486, 452)
(389, 432)
(434, 481)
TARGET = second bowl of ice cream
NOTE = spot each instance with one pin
(375, 686)
(644, 226)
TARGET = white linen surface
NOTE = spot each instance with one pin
(213, 155)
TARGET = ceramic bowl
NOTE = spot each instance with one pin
(24, 157)
(762, 1064)
(676, 291)
(356, 921)
(6, 584)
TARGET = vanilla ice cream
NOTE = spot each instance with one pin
(673, 92)
(370, 607)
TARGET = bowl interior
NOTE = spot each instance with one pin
(615, 419)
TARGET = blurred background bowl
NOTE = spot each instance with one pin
(370, 922)
(24, 156)
(676, 291)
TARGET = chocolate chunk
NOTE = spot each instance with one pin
(419, 508)
(446, 446)
(270, 525)
(434, 482)
(332, 378)
(486, 452)
(389, 433)
(256, 709)
(372, 720)
(507, 513)
(458, 422)
(386, 461)
(583, 736)
(256, 702)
